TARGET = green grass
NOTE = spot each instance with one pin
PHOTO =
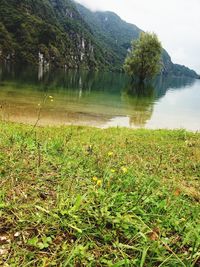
(78, 196)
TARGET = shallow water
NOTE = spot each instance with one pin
(97, 99)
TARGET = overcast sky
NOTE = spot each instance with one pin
(176, 22)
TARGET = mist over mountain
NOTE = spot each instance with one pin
(117, 34)
(63, 33)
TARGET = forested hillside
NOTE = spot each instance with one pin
(65, 34)
(51, 31)
(117, 35)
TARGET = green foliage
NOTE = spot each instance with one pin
(6, 42)
(143, 61)
(112, 33)
(53, 28)
(115, 36)
(82, 200)
(58, 28)
(40, 244)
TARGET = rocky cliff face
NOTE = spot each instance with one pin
(65, 34)
(48, 32)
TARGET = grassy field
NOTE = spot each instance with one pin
(78, 196)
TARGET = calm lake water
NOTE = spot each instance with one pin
(97, 99)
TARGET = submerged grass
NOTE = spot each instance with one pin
(78, 196)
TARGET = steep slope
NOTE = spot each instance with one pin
(109, 29)
(117, 35)
(51, 31)
(65, 34)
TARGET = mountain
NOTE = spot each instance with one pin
(65, 34)
(109, 29)
(50, 31)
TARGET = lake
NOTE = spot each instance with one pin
(97, 99)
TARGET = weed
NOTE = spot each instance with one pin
(78, 196)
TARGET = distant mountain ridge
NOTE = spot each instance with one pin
(65, 34)
(109, 28)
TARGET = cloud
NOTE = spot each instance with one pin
(177, 23)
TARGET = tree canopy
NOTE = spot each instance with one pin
(144, 59)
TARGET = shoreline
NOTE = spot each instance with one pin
(51, 124)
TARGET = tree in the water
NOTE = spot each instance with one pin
(144, 60)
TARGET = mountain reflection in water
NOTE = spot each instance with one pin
(97, 99)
